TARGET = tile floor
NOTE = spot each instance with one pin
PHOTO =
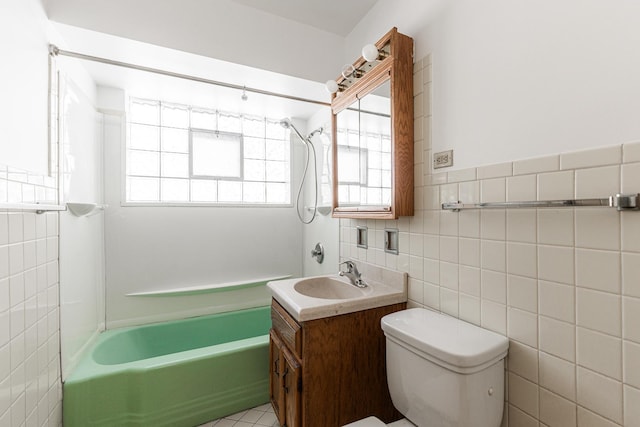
(263, 415)
(260, 416)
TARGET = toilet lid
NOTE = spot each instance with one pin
(454, 342)
(367, 422)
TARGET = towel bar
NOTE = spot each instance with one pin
(622, 202)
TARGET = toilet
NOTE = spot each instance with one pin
(442, 371)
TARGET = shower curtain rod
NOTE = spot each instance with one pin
(55, 51)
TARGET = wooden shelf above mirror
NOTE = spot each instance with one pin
(372, 141)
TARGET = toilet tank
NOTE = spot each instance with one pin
(443, 371)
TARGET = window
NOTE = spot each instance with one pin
(215, 154)
(179, 154)
(368, 181)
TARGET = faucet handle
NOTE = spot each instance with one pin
(352, 272)
(350, 265)
(351, 268)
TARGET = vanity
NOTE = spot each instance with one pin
(327, 349)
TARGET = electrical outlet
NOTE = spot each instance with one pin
(443, 159)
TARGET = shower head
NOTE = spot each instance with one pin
(286, 123)
(316, 132)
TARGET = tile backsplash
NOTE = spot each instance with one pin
(562, 284)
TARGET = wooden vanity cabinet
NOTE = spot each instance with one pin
(330, 371)
(285, 383)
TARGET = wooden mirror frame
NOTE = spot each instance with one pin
(397, 66)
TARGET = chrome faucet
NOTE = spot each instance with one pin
(353, 274)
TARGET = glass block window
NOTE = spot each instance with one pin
(180, 154)
(368, 180)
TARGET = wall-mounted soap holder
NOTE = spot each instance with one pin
(362, 236)
(391, 241)
(85, 209)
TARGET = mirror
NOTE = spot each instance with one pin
(373, 135)
(364, 150)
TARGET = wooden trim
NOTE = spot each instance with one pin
(288, 329)
(364, 215)
(399, 67)
(292, 387)
(276, 366)
(402, 125)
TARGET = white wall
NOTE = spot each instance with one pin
(155, 248)
(81, 238)
(24, 77)
(239, 34)
(514, 80)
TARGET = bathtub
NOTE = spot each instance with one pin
(180, 373)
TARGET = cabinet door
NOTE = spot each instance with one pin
(276, 378)
(292, 379)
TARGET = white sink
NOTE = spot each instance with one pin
(310, 298)
(328, 287)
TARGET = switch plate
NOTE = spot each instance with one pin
(443, 159)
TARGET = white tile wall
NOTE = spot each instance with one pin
(537, 165)
(555, 410)
(563, 284)
(30, 388)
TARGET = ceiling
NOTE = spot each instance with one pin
(224, 40)
(334, 16)
(142, 84)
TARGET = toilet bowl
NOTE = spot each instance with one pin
(442, 371)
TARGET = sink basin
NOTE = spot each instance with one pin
(310, 298)
(329, 288)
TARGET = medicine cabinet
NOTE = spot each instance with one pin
(372, 144)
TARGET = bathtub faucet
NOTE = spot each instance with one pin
(353, 274)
